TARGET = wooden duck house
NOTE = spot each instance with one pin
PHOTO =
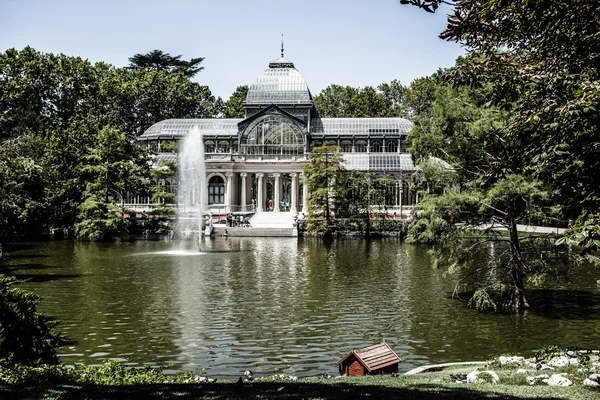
(372, 360)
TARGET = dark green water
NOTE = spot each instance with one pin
(282, 305)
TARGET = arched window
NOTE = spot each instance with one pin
(209, 146)
(216, 190)
(376, 146)
(272, 134)
(346, 146)
(360, 146)
(316, 143)
(391, 145)
(223, 146)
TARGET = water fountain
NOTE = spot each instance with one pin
(192, 195)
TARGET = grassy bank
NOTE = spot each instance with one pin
(431, 385)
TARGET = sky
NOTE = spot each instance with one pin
(354, 42)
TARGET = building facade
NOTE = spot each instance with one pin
(256, 163)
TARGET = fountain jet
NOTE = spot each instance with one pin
(192, 188)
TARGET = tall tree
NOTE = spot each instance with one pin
(546, 65)
(114, 167)
(323, 173)
(366, 195)
(161, 61)
(21, 188)
(470, 136)
(387, 100)
(232, 108)
(336, 101)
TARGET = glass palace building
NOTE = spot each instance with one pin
(258, 158)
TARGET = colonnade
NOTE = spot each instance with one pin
(245, 191)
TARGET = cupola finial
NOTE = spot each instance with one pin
(282, 45)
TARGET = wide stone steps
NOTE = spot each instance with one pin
(272, 220)
(218, 231)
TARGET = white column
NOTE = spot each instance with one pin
(401, 194)
(243, 177)
(261, 199)
(304, 198)
(294, 205)
(229, 191)
(277, 199)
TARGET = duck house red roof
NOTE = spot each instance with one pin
(379, 358)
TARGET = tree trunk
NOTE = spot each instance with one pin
(516, 301)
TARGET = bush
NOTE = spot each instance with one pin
(26, 336)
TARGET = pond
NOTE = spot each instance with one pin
(282, 305)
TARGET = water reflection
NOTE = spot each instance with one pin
(279, 305)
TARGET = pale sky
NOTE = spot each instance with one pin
(354, 42)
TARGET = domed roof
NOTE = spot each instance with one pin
(281, 83)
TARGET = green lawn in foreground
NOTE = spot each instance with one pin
(433, 385)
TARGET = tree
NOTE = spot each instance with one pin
(163, 198)
(366, 194)
(232, 108)
(161, 61)
(460, 128)
(394, 93)
(323, 173)
(544, 64)
(62, 102)
(26, 336)
(114, 167)
(337, 101)
(21, 188)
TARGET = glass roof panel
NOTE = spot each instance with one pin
(361, 126)
(379, 162)
(178, 128)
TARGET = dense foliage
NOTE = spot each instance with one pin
(26, 336)
(387, 100)
(541, 60)
(232, 108)
(338, 193)
(516, 121)
(67, 138)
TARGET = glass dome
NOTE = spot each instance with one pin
(281, 83)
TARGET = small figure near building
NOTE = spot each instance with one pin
(372, 360)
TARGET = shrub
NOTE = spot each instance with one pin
(26, 336)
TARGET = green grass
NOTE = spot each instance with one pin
(426, 386)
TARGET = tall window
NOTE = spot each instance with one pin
(360, 146)
(223, 146)
(376, 146)
(272, 135)
(216, 190)
(346, 146)
(209, 146)
(391, 145)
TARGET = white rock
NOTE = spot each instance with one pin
(522, 371)
(473, 377)
(511, 360)
(532, 379)
(573, 361)
(560, 361)
(558, 380)
(589, 382)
